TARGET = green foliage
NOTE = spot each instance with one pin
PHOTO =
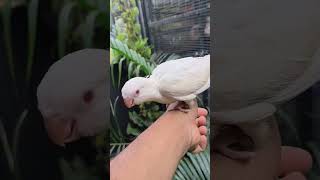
(6, 147)
(133, 57)
(128, 29)
(194, 166)
(115, 132)
(11, 150)
(6, 19)
(148, 113)
(64, 27)
(293, 136)
(76, 170)
(32, 31)
(116, 148)
(81, 23)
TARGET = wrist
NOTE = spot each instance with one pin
(179, 128)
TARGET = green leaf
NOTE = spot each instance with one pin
(76, 170)
(16, 140)
(64, 27)
(185, 168)
(130, 54)
(32, 32)
(88, 33)
(6, 147)
(112, 75)
(120, 71)
(136, 119)
(117, 147)
(6, 18)
(132, 130)
(130, 69)
(196, 165)
(137, 71)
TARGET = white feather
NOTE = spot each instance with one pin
(184, 78)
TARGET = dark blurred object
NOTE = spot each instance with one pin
(34, 155)
(315, 112)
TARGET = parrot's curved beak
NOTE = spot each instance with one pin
(129, 102)
(61, 131)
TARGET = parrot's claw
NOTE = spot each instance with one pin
(175, 106)
(185, 110)
(180, 106)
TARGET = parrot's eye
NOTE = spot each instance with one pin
(88, 96)
(137, 91)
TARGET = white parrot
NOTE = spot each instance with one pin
(179, 80)
(72, 96)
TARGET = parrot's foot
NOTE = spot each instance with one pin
(185, 110)
(179, 105)
(182, 106)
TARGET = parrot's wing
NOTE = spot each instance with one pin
(205, 87)
(184, 78)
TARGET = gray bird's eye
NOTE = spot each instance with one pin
(137, 91)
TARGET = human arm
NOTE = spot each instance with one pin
(157, 151)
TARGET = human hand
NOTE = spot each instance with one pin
(195, 124)
(271, 159)
(294, 163)
(170, 136)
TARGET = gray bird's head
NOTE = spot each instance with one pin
(139, 90)
(72, 96)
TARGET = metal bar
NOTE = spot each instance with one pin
(142, 18)
(177, 18)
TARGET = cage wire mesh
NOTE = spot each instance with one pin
(177, 26)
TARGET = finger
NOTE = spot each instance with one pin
(203, 142)
(202, 112)
(196, 150)
(294, 176)
(202, 145)
(203, 130)
(294, 160)
(201, 121)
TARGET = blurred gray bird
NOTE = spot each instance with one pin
(72, 96)
(267, 57)
(263, 58)
(179, 80)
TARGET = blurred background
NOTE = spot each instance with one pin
(299, 124)
(145, 33)
(33, 35)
